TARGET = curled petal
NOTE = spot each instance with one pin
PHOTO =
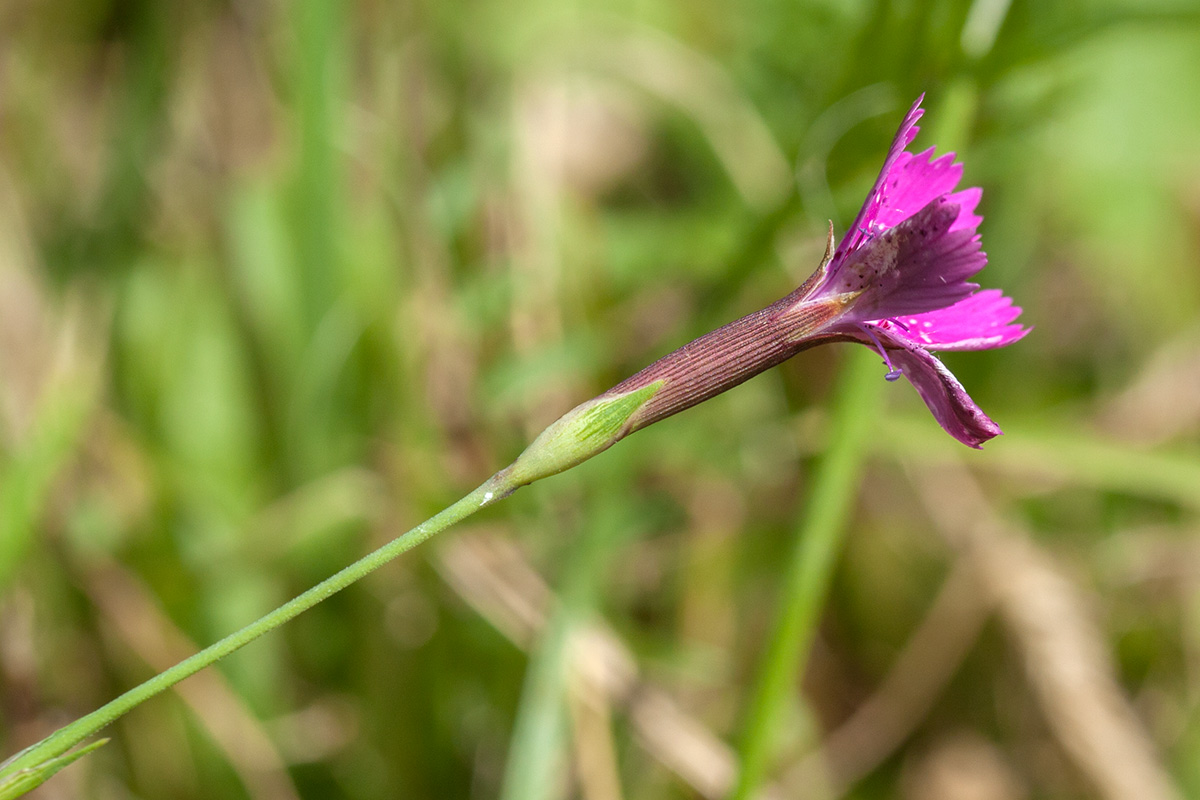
(946, 398)
(980, 322)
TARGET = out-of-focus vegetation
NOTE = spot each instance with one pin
(279, 280)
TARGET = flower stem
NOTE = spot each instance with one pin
(56, 744)
(812, 563)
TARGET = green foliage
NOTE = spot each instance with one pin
(279, 281)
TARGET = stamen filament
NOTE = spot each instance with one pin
(893, 372)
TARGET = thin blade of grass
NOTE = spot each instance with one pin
(810, 569)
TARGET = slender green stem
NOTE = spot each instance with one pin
(811, 567)
(71, 735)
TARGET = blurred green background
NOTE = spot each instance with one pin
(279, 280)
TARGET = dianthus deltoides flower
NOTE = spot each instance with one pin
(898, 283)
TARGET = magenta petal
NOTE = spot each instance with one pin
(980, 322)
(909, 186)
(968, 201)
(946, 398)
(920, 265)
(896, 155)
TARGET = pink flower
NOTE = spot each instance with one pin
(900, 281)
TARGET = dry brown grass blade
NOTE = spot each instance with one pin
(1066, 659)
(595, 751)
(491, 575)
(887, 718)
(1163, 402)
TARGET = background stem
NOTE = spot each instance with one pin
(810, 569)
